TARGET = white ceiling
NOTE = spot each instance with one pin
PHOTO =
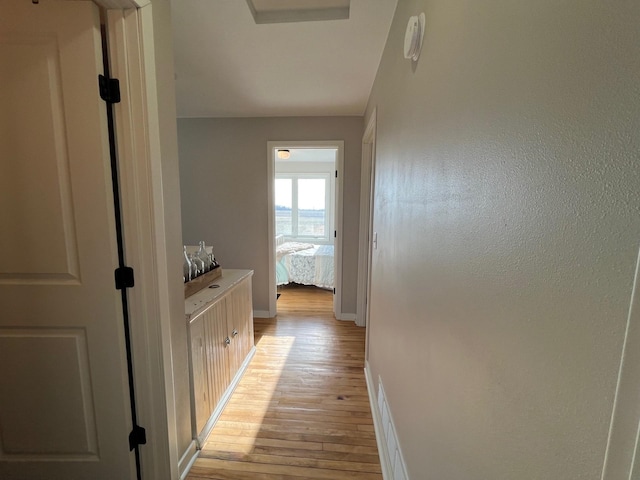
(228, 66)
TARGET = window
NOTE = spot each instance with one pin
(302, 206)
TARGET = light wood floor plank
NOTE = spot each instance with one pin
(273, 459)
(301, 410)
(281, 469)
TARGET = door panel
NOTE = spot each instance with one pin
(64, 396)
(33, 125)
(72, 432)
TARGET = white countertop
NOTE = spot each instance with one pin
(197, 302)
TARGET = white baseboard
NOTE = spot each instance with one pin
(224, 400)
(391, 460)
(188, 457)
(261, 314)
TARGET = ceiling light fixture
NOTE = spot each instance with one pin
(284, 154)
(413, 37)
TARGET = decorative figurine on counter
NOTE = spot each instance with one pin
(198, 263)
(204, 256)
(186, 266)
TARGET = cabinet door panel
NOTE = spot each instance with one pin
(199, 371)
(217, 351)
(240, 319)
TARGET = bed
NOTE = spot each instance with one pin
(304, 263)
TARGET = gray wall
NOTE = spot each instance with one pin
(506, 207)
(223, 177)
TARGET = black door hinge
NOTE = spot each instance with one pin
(109, 89)
(336, 173)
(124, 278)
(138, 436)
(335, 234)
(334, 291)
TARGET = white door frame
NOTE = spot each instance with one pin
(272, 146)
(367, 187)
(131, 57)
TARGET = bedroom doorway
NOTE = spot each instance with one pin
(305, 210)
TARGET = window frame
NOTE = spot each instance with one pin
(328, 217)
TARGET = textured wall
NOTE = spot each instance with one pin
(223, 175)
(507, 212)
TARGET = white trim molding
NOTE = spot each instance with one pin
(367, 188)
(391, 459)
(131, 58)
(261, 314)
(271, 229)
(188, 458)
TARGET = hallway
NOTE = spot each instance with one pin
(301, 410)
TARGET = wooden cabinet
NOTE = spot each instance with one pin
(221, 345)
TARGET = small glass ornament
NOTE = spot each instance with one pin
(202, 255)
(186, 265)
(199, 265)
(194, 266)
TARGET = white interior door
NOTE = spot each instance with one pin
(64, 411)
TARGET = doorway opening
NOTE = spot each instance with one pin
(305, 210)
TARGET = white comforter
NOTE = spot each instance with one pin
(310, 266)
